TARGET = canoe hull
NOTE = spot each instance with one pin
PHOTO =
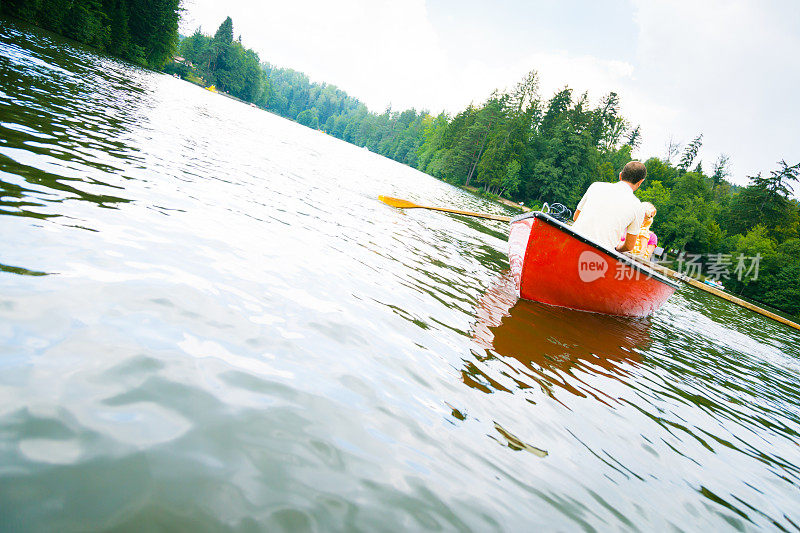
(552, 264)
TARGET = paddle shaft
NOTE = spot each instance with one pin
(405, 204)
(501, 218)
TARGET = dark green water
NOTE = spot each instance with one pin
(208, 322)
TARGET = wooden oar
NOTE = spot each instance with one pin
(405, 204)
(722, 294)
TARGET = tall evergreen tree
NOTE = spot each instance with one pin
(721, 170)
(224, 33)
(690, 153)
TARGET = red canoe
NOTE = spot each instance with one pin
(553, 264)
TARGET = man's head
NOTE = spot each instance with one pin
(633, 173)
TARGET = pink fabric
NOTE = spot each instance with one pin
(652, 241)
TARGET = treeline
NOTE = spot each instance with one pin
(514, 144)
(144, 32)
(225, 63)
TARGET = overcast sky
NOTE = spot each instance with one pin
(727, 69)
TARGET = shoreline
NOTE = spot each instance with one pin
(499, 199)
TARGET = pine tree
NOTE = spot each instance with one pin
(690, 153)
(225, 32)
(721, 170)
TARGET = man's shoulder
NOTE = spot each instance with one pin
(606, 189)
(599, 186)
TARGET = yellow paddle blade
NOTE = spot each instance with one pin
(396, 202)
(405, 204)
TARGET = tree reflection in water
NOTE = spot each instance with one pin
(527, 344)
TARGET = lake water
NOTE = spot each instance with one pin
(208, 322)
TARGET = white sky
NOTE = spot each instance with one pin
(729, 69)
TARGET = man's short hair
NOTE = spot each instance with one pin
(634, 172)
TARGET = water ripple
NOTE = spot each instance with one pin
(208, 321)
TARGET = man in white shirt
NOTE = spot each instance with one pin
(610, 210)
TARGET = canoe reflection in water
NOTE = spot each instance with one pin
(526, 344)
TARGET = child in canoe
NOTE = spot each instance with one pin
(646, 240)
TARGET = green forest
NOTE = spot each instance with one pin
(517, 143)
(144, 32)
(224, 63)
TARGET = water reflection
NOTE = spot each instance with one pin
(527, 343)
(515, 443)
(61, 132)
(21, 271)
